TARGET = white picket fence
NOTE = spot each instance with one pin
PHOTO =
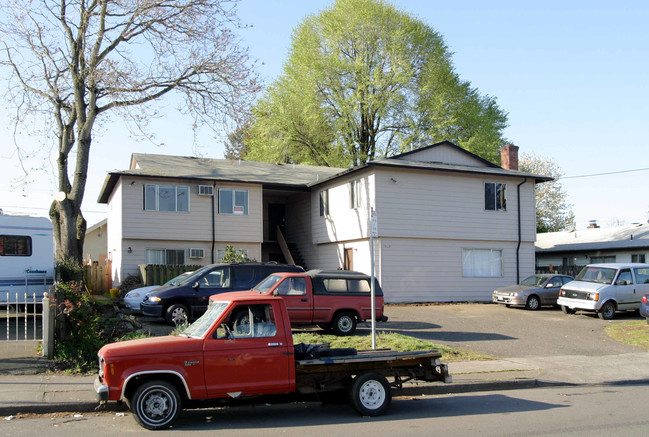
(21, 317)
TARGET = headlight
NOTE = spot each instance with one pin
(593, 296)
(154, 299)
(513, 294)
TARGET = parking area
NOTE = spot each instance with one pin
(508, 332)
(492, 329)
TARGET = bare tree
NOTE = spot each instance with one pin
(71, 61)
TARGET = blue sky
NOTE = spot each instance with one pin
(572, 76)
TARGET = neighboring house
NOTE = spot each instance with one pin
(592, 245)
(450, 225)
(95, 243)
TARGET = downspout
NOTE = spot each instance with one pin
(213, 223)
(518, 247)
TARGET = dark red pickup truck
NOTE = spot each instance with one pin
(222, 356)
(335, 300)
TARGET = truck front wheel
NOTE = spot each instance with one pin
(370, 394)
(344, 323)
(156, 404)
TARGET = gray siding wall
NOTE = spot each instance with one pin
(445, 154)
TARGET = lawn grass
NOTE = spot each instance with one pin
(634, 333)
(388, 340)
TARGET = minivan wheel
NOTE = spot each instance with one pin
(567, 310)
(607, 312)
(533, 303)
(176, 314)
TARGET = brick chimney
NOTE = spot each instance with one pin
(509, 157)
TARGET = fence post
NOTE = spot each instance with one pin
(48, 325)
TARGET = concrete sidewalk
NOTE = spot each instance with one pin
(60, 393)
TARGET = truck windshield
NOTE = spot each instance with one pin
(602, 275)
(268, 283)
(203, 323)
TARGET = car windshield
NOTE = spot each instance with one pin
(535, 280)
(203, 323)
(268, 283)
(194, 276)
(178, 279)
(602, 275)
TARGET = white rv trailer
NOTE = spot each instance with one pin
(26, 258)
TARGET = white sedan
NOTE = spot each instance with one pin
(134, 298)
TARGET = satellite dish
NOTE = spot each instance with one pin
(60, 196)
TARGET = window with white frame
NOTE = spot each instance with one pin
(233, 201)
(324, 203)
(354, 194)
(165, 256)
(482, 263)
(495, 198)
(166, 198)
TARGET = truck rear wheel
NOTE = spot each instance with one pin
(370, 394)
(344, 323)
(156, 404)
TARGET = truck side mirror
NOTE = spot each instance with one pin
(621, 282)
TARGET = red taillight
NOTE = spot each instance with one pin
(644, 299)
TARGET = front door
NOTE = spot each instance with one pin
(246, 355)
(625, 292)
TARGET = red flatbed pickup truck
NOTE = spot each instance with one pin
(223, 357)
(335, 300)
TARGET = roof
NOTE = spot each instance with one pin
(622, 237)
(211, 170)
(289, 176)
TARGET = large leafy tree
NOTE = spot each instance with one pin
(364, 80)
(69, 62)
(553, 212)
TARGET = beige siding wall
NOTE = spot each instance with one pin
(131, 226)
(194, 225)
(423, 270)
(343, 222)
(428, 205)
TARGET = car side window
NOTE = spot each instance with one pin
(625, 275)
(219, 278)
(566, 279)
(641, 275)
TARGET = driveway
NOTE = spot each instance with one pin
(508, 332)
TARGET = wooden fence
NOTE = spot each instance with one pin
(156, 274)
(97, 277)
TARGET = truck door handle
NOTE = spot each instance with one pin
(274, 344)
(304, 299)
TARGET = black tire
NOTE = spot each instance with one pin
(607, 311)
(370, 394)
(176, 314)
(156, 404)
(533, 303)
(343, 323)
(567, 310)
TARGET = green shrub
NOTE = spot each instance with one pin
(80, 337)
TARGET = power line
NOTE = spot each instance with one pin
(603, 174)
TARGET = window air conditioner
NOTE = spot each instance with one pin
(197, 253)
(205, 190)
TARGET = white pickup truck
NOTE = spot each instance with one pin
(605, 289)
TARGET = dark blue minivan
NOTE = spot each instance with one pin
(187, 299)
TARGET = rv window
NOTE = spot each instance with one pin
(15, 245)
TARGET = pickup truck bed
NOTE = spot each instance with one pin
(313, 374)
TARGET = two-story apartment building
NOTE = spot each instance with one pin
(450, 225)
